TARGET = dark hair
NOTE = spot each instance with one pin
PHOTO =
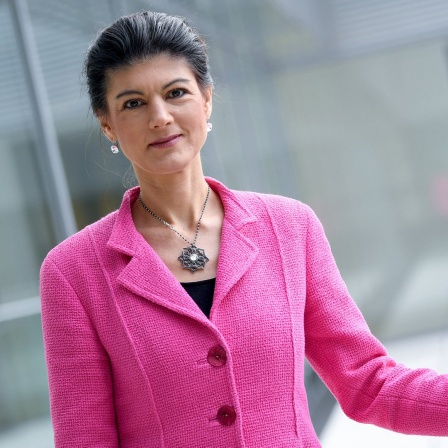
(135, 38)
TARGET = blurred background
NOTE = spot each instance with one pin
(342, 104)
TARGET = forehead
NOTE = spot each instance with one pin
(150, 73)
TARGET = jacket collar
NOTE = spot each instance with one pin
(146, 274)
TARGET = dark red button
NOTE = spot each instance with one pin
(217, 356)
(226, 415)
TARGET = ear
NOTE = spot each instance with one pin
(106, 128)
(208, 97)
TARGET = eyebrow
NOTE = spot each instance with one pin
(174, 82)
(139, 92)
(128, 92)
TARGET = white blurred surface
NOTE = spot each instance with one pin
(425, 351)
(35, 434)
(422, 302)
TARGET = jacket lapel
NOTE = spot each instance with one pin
(237, 252)
(146, 274)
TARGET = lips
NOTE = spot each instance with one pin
(165, 142)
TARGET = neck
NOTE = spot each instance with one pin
(177, 199)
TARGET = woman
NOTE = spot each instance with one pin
(183, 319)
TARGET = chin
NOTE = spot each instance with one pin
(170, 170)
(169, 165)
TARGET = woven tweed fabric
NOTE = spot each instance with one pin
(127, 348)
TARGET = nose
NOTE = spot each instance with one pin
(159, 114)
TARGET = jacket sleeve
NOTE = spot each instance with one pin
(80, 380)
(369, 385)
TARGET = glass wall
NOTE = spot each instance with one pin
(370, 149)
(303, 107)
(26, 236)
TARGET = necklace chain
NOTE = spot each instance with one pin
(171, 227)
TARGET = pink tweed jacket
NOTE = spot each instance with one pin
(132, 360)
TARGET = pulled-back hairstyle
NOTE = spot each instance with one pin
(138, 37)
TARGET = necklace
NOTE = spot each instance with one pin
(192, 257)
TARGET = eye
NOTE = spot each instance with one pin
(177, 93)
(132, 104)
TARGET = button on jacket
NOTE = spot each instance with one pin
(134, 363)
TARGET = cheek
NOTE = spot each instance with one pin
(127, 127)
(200, 119)
(200, 125)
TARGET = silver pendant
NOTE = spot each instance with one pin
(193, 258)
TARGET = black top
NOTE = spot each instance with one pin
(202, 293)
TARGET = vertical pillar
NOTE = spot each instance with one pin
(49, 156)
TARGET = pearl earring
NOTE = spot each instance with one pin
(114, 148)
(209, 127)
